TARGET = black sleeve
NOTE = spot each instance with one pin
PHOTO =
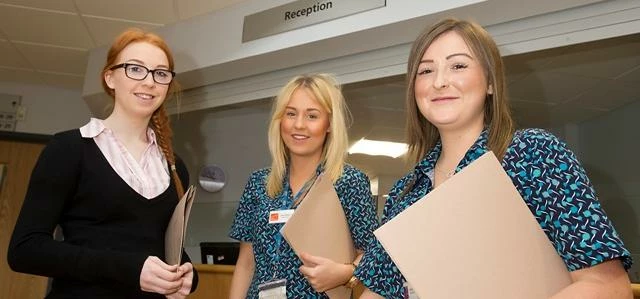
(33, 250)
(183, 172)
(185, 259)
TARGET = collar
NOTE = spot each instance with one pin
(286, 189)
(93, 128)
(427, 164)
(96, 127)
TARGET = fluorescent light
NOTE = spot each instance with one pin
(378, 148)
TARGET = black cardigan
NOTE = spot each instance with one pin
(109, 229)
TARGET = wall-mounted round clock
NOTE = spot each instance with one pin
(212, 178)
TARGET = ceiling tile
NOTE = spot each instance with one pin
(568, 113)
(518, 66)
(388, 118)
(10, 57)
(531, 114)
(105, 31)
(20, 76)
(386, 133)
(224, 3)
(59, 29)
(550, 87)
(191, 8)
(603, 59)
(632, 76)
(393, 100)
(154, 11)
(55, 59)
(63, 81)
(513, 77)
(59, 5)
(608, 96)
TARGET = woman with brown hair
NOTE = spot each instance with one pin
(111, 186)
(458, 109)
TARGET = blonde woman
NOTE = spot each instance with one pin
(307, 137)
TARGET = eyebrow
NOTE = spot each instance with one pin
(309, 109)
(142, 63)
(449, 57)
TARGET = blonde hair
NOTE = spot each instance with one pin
(326, 91)
(159, 120)
(421, 134)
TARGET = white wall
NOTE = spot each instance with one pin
(49, 109)
(234, 138)
(609, 147)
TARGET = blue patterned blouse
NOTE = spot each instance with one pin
(251, 225)
(549, 178)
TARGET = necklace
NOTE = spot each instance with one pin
(447, 174)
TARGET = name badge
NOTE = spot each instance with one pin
(280, 216)
(409, 293)
(276, 289)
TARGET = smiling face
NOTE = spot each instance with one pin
(133, 97)
(304, 125)
(450, 84)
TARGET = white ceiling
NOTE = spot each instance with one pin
(47, 42)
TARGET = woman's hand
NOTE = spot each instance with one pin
(324, 274)
(186, 272)
(158, 277)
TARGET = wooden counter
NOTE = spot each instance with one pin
(215, 281)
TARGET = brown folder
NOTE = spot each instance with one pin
(177, 228)
(319, 227)
(474, 237)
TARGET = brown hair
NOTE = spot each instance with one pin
(159, 120)
(421, 134)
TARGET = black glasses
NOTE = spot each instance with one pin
(139, 72)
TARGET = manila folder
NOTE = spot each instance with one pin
(319, 227)
(474, 237)
(177, 228)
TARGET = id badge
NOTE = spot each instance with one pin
(280, 216)
(408, 291)
(275, 289)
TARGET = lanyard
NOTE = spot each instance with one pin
(290, 204)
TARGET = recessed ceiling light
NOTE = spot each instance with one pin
(378, 148)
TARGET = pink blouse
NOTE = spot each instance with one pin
(149, 176)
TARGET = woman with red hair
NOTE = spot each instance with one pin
(111, 187)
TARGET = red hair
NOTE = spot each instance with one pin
(159, 120)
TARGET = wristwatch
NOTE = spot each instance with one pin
(353, 281)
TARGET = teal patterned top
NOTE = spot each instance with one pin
(251, 225)
(554, 186)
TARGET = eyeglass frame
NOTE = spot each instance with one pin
(153, 72)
